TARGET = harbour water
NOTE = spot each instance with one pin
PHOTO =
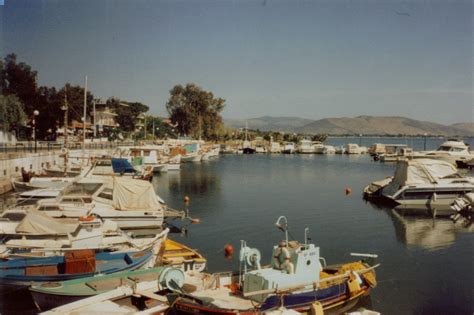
(426, 263)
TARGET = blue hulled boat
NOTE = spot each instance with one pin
(298, 278)
(75, 264)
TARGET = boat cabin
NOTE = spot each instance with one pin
(292, 264)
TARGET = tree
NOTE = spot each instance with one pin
(12, 115)
(127, 113)
(196, 111)
(75, 100)
(20, 80)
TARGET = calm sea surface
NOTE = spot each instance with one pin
(427, 265)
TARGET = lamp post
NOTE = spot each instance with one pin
(424, 143)
(35, 114)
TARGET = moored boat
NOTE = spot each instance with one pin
(295, 280)
(48, 295)
(22, 272)
(181, 256)
(422, 184)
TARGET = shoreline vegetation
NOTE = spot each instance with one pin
(33, 112)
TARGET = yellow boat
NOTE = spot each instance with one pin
(181, 256)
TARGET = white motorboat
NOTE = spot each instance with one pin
(452, 151)
(260, 149)
(131, 203)
(288, 148)
(275, 147)
(191, 157)
(305, 147)
(353, 148)
(329, 149)
(422, 184)
(35, 233)
(318, 147)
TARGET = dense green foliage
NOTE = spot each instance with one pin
(11, 113)
(128, 114)
(19, 80)
(195, 111)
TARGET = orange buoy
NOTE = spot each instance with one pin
(87, 218)
(195, 221)
(186, 199)
(228, 250)
(348, 191)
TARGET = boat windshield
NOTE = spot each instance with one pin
(82, 189)
(452, 149)
(443, 148)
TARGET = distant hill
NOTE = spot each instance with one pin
(366, 125)
(267, 123)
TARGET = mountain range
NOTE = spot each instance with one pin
(365, 125)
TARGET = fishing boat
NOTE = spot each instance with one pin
(295, 280)
(422, 184)
(48, 295)
(41, 183)
(181, 256)
(22, 272)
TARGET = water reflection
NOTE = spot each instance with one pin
(426, 232)
(198, 180)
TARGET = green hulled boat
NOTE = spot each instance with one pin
(53, 294)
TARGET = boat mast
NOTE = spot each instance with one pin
(65, 117)
(84, 117)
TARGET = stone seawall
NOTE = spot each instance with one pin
(12, 163)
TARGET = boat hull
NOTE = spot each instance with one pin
(334, 298)
(15, 273)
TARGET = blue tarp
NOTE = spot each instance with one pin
(122, 166)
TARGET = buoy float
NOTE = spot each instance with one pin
(348, 191)
(228, 250)
(186, 199)
(195, 221)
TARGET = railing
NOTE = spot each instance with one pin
(46, 146)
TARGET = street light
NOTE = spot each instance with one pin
(35, 114)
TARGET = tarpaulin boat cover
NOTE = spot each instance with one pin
(121, 166)
(133, 194)
(419, 171)
(36, 222)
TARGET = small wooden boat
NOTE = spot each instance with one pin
(49, 295)
(181, 256)
(41, 183)
(18, 272)
(295, 280)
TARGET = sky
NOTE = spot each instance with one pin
(310, 59)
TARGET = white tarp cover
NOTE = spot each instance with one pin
(133, 194)
(419, 171)
(36, 222)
